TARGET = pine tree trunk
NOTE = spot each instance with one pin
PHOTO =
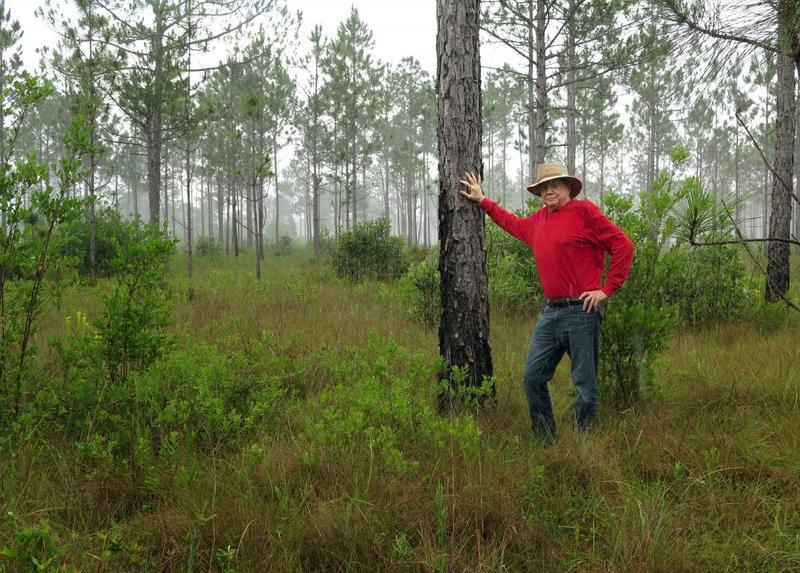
(504, 176)
(355, 185)
(409, 210)
(651, 142)
(736, 177)
(277, 193)
(424, 215)
(572, 90)
(765, 187)
(210, 198)
(3, 216)
(92, 158)
(165, 185)
(541, 82)
(531, 95)
(189, 230)
(307, 202)
(228, 208)
(220, 211)
(797, 162)
(780, 215)
(201, 196)
(464, 326)
(315, 199)
(337, 206)
(386, 211)
(135, 186)
(603, 144)
(249, 205)
(153, 129)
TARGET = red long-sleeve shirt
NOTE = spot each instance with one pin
(569, 245)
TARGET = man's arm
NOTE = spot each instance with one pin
(513, 225)
(615, 242)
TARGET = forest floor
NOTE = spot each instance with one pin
(350, 468)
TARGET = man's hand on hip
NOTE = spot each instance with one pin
(592, 299)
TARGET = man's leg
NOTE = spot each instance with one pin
(583, 334)
(543, 357)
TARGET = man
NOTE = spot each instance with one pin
(569, 239)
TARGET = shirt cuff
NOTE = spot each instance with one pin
(486, 203)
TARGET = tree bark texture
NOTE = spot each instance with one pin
(464, 326)
(781, 213)
(154, 165)
(572, 91)
(541, 85)
(531, 97)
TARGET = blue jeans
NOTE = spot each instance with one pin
(564, 329)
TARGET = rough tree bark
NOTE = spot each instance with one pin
(572, 92)
(781, 214)
(464, 326)
(154, 141)
(541, 85)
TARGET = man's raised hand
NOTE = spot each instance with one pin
(473, 185)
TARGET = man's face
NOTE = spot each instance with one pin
(555, 194)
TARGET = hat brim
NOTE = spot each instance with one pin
(575, 185)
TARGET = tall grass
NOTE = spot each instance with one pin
(352, 470)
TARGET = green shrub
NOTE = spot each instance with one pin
(638, 319)
(208, 247)
(669, 280)
(35, 200)
(369, 251)
(101, 361)
(34, 548)
(112, 230)
(420, 290)
(394, 415)
(283, 247)
(205, 397)
(513, 282)
(327, 243)
(418, 253)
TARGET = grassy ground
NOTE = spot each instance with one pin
(352, 469)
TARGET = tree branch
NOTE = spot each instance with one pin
(764, 158)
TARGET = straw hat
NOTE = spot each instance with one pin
(549, 171)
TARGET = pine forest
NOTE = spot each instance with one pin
(434, 285)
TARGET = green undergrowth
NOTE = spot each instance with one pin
(292, 426)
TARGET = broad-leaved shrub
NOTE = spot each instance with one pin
(370, 252)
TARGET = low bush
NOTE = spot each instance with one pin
(392, 414)
(101, 360)
(370, 252)
(513, 282)
(420, 290)
(112, 231)
(208, 246)
(283, 247)
(670, 280)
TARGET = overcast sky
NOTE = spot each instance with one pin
(400, 28)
